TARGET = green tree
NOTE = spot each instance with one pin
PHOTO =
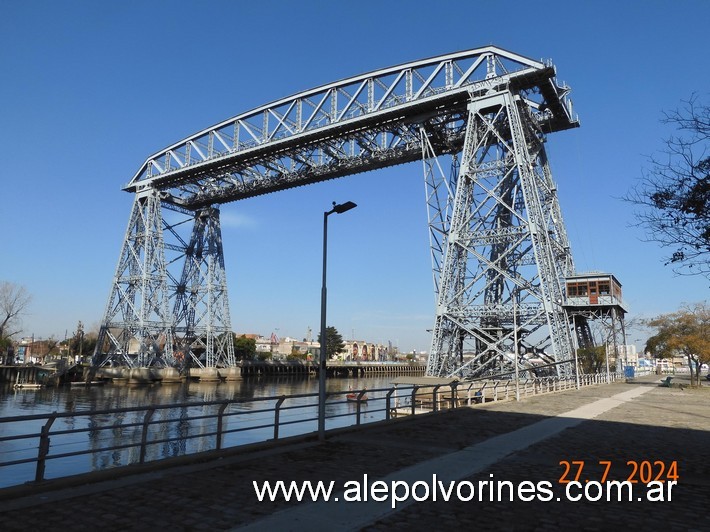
(6, 351)
(592, 359)
(334, 342)
(89, 342)
(244, 348)
(297, 354)
(674, 193)
(82, 344)
(686, 333)
(4, 344)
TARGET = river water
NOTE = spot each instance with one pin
(77, 399)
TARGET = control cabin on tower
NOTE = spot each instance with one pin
(593, 292)
(595, 296)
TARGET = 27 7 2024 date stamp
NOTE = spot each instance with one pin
(633, 471)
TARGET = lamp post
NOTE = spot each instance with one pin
(337, 209)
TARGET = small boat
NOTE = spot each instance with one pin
(28, 385)
(25, 385)
(355, 397)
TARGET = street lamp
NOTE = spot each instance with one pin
(337, 209)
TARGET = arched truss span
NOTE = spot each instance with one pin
(354, 125)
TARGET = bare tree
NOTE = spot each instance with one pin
(14, 301)
(674, 192)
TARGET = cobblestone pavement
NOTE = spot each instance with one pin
(664, 425)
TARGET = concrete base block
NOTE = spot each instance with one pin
(231, 374)
(140, 376)
(167, 375)
(205, 374)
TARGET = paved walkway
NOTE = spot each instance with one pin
(511, 441)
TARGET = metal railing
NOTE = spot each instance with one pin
(136, 435)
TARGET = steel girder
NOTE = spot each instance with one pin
(506, 252)
(439, 192)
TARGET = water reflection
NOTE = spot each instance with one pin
(108, 434)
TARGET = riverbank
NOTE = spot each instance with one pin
(638, 422)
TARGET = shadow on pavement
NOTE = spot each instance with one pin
(661, 428)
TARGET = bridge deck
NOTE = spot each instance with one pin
(355, 125)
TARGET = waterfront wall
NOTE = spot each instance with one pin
(257, 369)
(122, 375)
(23, 375)
(343, 370)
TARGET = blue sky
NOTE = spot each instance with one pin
(90, 89)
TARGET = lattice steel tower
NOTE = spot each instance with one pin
(499, 246)
(168, 304)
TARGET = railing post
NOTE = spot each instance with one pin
(359, 403)
(388, 404)
(144, 435)
(277, 414)
(414, 394)
(220, 414)
(454, 395)
(43, 448)
(433, 397)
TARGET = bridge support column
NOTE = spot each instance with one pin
(501, 238)
(139, 328)
(202, 322)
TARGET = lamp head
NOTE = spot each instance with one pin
(343, 207)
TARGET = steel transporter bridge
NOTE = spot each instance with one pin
(499, 249)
